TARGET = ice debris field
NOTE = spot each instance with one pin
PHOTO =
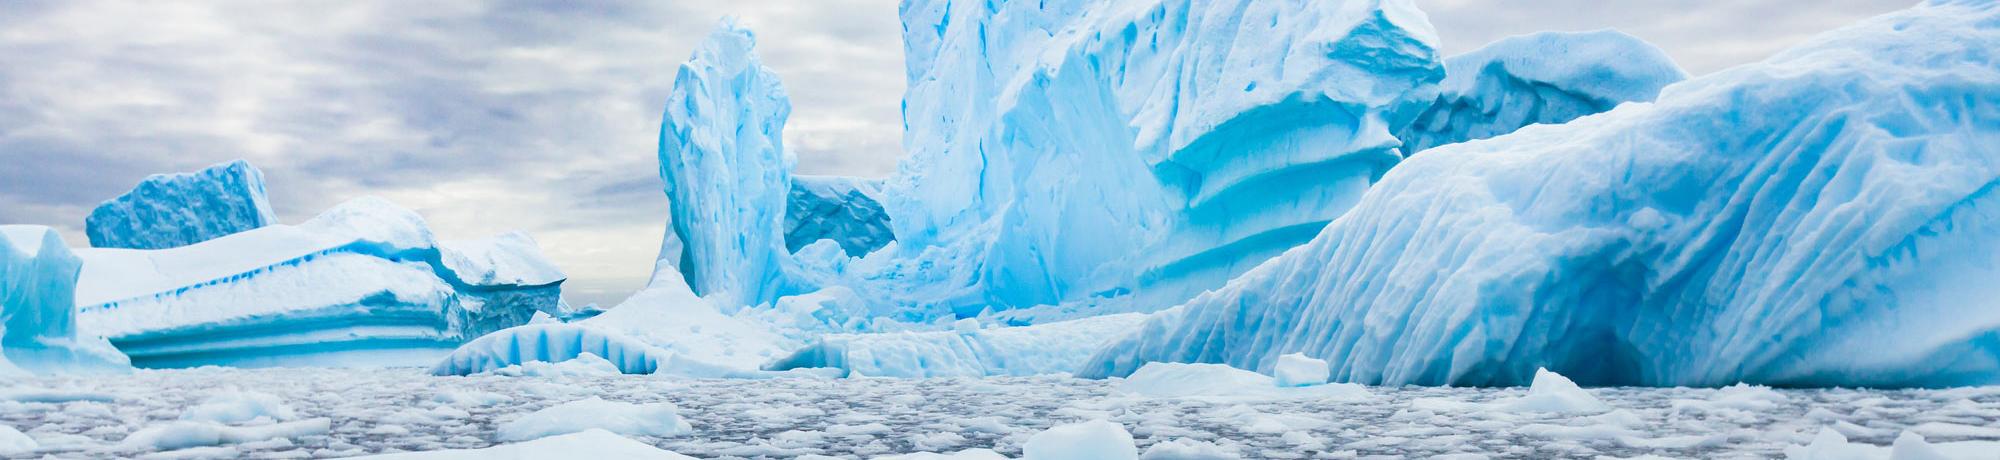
(1122, 229)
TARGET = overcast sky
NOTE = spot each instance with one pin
(488, 116)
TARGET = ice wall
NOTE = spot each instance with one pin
(363, 284)
(173, 210)
(1825, 217)
(1546, 77)
(1050, 142)
(727, 173)
(37, 291)
(847, 210)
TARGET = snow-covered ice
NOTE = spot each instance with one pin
(174, 210)
(364, 283)
(349, 412)
(653, 419)
(965, 350)
(1824, 217)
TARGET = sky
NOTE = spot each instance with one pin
(492, 116)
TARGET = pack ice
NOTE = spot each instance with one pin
(1826, 217)
(37, 297)
(364, 283)
(174, 210)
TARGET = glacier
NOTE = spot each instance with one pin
(363, 284)
(727, 172)
(1825, 217)
(38, 276)
(1546, 77)
(174, 210)
(847, 210)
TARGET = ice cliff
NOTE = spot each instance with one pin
(1825, 217)
(37, 296)
(1547, 77)
(365, 283)
(846, 210)
(174, 210)
(727, 173)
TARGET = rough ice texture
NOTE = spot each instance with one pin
(655, 419)
(1049, 348)
(727, 173)
(37, 294)
(663, 328)
(1049, 142)
(1826, 217)
(846, 210)
(362, 284)
(1547, 77)
(174, 210)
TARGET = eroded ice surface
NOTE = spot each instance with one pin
(847, 210)
(1547, 77)
(174, 210)
(38, 278)
(1825, 217)
(369, 411)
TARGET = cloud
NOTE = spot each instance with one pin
(488, 116)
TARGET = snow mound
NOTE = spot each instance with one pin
(846, 210)
(592, 443)
(1057, 347)
(1826, 217)
(1092, 440)
(38, 280)
(363, 284)
(1298, 370)
(1547, 77)
(1553, 393)
(656, 419)
(239, 406)
(727, 172)
(1831, 445)
(174, 210)
(186, 433)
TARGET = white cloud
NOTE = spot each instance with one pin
(488, 116)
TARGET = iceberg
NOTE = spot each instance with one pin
(664, 328)
(363, 284)
(1049, 142)
(846, 210)
(1826, 217)
(727, 172)
(965, 351)
(174, 210)
(38, 276)
(1547, 77)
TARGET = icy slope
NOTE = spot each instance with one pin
(1825, 217)
(173, 210)
(1050, 141)
(727, 172)
(362, 284)
(37, 291)
(847, 210)
(1548, 77)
